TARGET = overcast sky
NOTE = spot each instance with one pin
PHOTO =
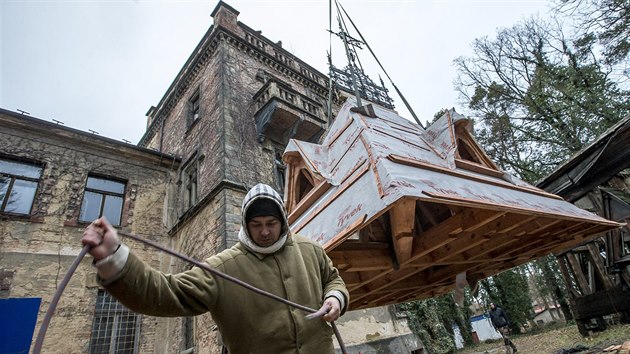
(100, 65)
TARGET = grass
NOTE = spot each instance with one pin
(552, 341)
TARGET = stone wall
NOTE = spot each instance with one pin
(39, 249)
(377, 330)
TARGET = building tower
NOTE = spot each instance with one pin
(229, 114)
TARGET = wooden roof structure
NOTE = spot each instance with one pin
(403, 210)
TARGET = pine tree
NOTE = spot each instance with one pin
(537, 97)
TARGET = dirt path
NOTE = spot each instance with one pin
(554, 341)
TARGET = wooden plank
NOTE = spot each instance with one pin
(461, 244)
(602, 303)
(491, 267)
(471, 166)
(361, 260)
(457, 260)
(350, 277)
(597, 261)
(472, 146)
(537, 246)
(473, 219)
(565, 273)
(579, 275)
(402, 219)
(426, 212)
(308, 200)
(343, 234)
(503, 241)
(347, 184)
(528, 237)
(485, 250)
(351, 245)
(429, 241)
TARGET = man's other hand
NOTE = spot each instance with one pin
(334, 309)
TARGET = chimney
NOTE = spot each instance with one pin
(225, 16)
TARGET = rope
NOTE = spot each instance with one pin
(53, 304)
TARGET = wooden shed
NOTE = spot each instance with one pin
(597, 272)
(403, 210)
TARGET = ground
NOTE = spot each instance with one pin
(556, 340)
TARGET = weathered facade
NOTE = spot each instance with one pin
(229, 114)
(40, 230)
(220, 128)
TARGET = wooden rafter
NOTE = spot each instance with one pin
(402, 219)
(462, 242)
(598, 265)
(585, 289)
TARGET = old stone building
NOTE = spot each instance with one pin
(220, 128)
(55, 180)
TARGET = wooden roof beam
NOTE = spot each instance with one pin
(402, 219)
(463, 242)
(597, 261)
(441, 256)
(559, 232)
(467, 242)
(430, 240)
(361, 260)
(357, 245)
(537, 249)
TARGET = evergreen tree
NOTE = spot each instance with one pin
(555, 283)
(425, 321)
(608, 20)
(537, 98)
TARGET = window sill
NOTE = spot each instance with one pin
(79, 223)
(192, 125)
(21, 217)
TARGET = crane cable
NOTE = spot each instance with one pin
(381, 65)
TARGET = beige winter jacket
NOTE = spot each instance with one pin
(249, 323)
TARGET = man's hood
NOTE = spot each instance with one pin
(257, 192)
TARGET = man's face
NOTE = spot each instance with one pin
(492, 305)
(264, 230)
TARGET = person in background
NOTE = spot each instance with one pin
(501, 322)
(267, 256)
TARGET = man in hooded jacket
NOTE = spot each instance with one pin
(267, 256)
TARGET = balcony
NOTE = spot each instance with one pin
(283, 113)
